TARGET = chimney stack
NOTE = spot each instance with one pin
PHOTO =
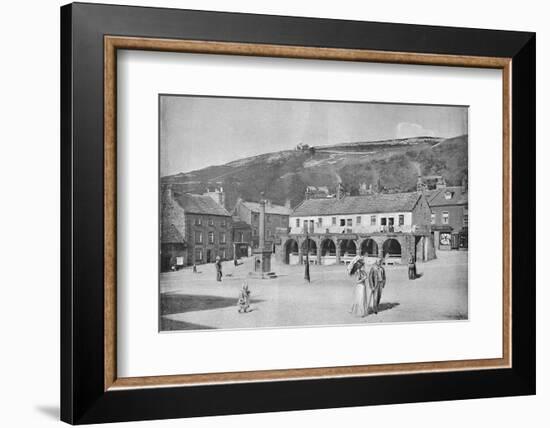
(340, 191)
(217, 195)
(167, 193)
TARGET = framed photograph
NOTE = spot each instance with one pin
(266, 213)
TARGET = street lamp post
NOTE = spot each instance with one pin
(306, 273)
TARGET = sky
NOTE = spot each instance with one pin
(196, 132)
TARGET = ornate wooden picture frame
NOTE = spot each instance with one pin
(91, 390)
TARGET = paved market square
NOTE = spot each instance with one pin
(191, 301)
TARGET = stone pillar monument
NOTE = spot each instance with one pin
(262, 256)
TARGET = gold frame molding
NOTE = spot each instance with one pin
(113, 43)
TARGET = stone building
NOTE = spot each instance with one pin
(173, 248)
(276, 216)
(393, 226)
(449, 220)
(242, 238)
(204, 225)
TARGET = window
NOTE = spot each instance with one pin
(433, 218)
(223, 223)
(255, 216)
(383, 221)
(198, 221)
(358, 220)
(210, 237)
(349, 222)
(223, 253)
(320, 221)
(334, 221)
(373, 220)
(465, 220)
(222, 237)
(210, 222)
(445, 217)
(241, 236)
(342, 222)
(198, 255)
(401, 219)
(254, 232)
(268, 233)
(297, 222)
(198, 237)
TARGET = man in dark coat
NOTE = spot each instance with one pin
(412, 267)
(218, 269)
(377, 281)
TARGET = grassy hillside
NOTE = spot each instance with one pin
(285, 174)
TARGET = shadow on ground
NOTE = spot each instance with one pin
(385, 307)
(170, 325)
(180, 303)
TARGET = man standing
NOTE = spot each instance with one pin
(412, 267)
(377, 281)
(218, 269)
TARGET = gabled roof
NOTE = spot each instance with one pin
(269, 208)
(366, 204)
(171, 235)
(458, 197)
(200, 204)
(240, 224)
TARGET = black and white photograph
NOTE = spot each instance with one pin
(293, 213)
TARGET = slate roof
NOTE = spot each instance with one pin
(200, 204)
(437, 199)
(240, 224)
(367, 204)
(269, 209)
(171, 235)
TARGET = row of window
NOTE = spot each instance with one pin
(268, 232)
(199, 254)
(271, 218)
(445, 218)
(349, 221)
(210, 222)
(199, 237)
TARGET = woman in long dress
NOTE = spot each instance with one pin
(359, 307)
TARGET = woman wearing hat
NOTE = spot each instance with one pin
(357, 268)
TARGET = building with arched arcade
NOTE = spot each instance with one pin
(333, 231)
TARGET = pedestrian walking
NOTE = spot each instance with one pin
(377, 282)
(218, 269)
(412, 267)
(357, 267)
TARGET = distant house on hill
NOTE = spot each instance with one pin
(195, 229)
(316, 192)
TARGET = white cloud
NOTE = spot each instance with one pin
(408, 129)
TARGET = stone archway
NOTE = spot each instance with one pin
(328, 247)
(312, 247)
(291, 255)
(369, 248)
(329, 253)
(392, 249)
(348, 248)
